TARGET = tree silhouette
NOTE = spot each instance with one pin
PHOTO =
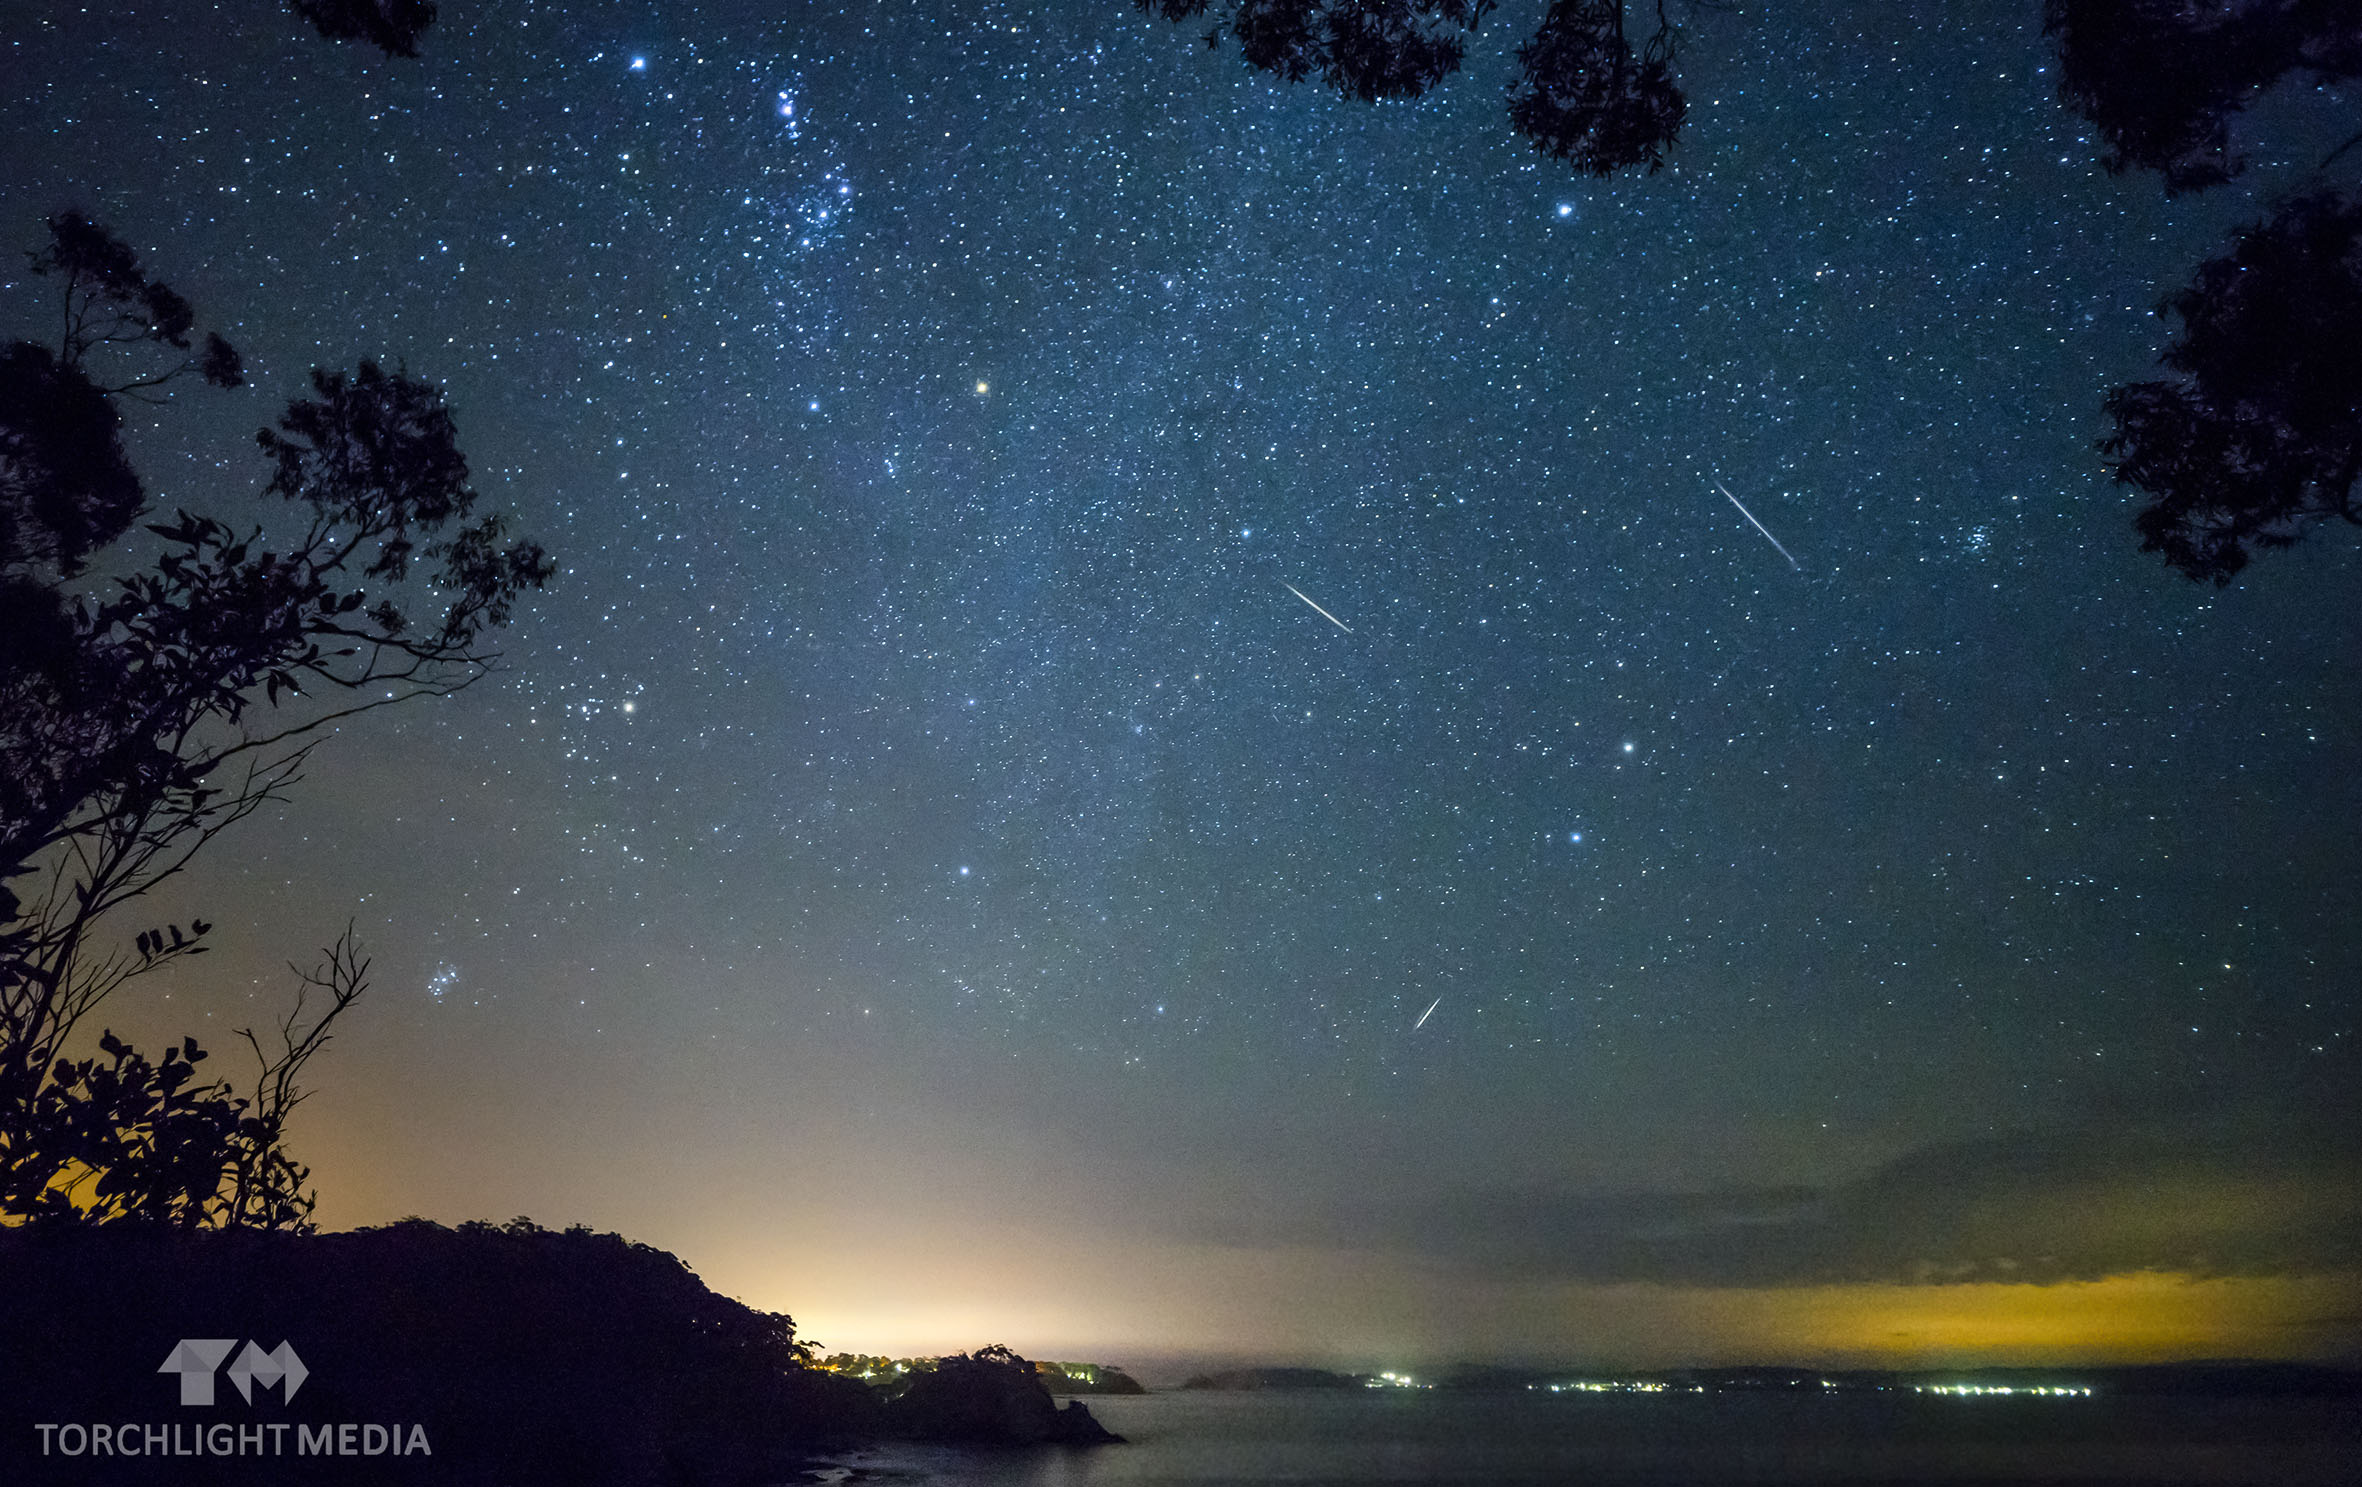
(2256, 443)
(1581, 93)
(141, 717)
(2261, 438)
(128, 1139)
(392, 26)
(66, 486)
(1365, 49)
(2163, 79)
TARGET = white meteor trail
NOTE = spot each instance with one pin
(1324, 614)
(1759, 526)
(1430, 1012)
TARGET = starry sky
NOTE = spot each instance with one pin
(1161, 735)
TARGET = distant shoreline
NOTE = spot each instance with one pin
(2222, 1380)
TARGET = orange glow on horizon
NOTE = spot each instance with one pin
(2144, 1317)
(1363, 1311)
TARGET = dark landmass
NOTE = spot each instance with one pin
(482, 1355)
(989, 1397)
(1087, 1378)
(509, 1353)
(890, 1376)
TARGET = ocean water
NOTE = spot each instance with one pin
(1422, 1439)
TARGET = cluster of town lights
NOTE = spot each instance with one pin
(1657, 1386)
(1396, 1381)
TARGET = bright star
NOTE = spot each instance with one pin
(639, 64)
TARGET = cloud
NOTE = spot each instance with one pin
(2035, 1206)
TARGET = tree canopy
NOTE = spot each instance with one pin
(145, 711)
(1583, 95)
(1581, 92)
(392, 26)
(1369, 50)
(2162, 80)
(2259, 439)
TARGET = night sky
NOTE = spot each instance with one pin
(929, 863)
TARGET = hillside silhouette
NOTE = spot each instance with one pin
(525, 1354)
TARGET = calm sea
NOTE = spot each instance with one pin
(1424, 1439)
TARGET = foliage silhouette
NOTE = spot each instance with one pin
(2255, 443)
(2261, 437)
(143, 715)
(2163, 79)
(1580, 94)
(392, 26)
(67, 488)
(127, 1139)
(1365, 49)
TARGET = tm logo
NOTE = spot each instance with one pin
(196, 1358)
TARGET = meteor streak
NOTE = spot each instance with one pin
(1430, 1012)
(1759, 526)
(1324, 614)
